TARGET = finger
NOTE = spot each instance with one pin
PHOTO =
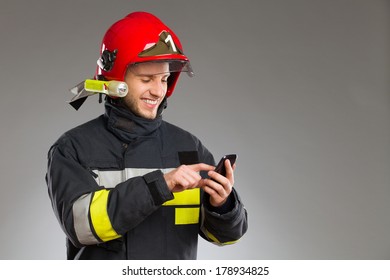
(192, 177)
(216, 199)
(182, 178)
(201, 167)
(211, 192)
(220, 184)
(229, 172)
(218, 188)
(220, 179)
(189, 180)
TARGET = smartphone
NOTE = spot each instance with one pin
(220, 168)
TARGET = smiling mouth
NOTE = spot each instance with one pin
(150, 101)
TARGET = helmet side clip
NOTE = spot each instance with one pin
(107, 59)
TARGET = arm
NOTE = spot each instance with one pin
(89, 213)
(224, 216)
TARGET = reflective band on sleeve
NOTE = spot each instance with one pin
(215, 240)
(99, 216)
(186, 216)
(187, 197)
(81, 220)
(110, 178)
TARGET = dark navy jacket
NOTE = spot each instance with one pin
(106, 185)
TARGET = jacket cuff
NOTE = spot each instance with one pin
(224, 208)
(158, 187)
(234, 207)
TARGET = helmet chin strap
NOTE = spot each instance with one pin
(162, 107)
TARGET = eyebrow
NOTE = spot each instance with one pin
(152, 75)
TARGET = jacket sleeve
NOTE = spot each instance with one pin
(91, 214)
(226, 228)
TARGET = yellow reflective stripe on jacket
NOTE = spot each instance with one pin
(186, 216)
(215, 240)
(187, 197)
(99, 216)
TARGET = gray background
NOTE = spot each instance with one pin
(298, 89)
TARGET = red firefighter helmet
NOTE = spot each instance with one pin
(137, 38)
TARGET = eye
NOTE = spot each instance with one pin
(145, 80)
(165, 79)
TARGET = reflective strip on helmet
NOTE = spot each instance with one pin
(82, 226)
(99, 216)
(187, 197)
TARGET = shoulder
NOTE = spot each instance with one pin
(90, 127)
(184, 140)
(83, 134)
(176, 132)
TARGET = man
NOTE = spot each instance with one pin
(128, 185)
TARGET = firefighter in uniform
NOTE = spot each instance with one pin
(129, 185)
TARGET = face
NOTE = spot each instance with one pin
(148, 84)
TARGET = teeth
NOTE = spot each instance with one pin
(153, 102)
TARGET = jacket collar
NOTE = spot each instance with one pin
(127, 126)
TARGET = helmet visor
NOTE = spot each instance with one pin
(157, 67)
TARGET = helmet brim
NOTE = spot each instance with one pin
(175, 66)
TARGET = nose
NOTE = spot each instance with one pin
(158, 88)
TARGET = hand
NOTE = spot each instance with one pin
(218, 186)
(186, 176)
